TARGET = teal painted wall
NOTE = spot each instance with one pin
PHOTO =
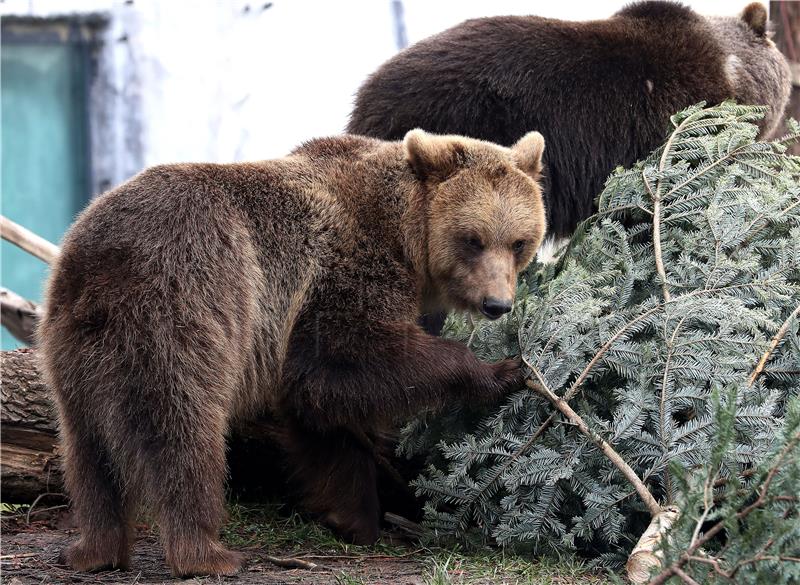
(45, 157)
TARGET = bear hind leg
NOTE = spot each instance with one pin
(337, 477)
(103, 512)
(187, 482)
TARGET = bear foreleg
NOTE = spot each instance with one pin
(333, 389)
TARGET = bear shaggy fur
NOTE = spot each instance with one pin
(600, 92)
(198, 295)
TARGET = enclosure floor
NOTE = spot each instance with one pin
(30, 557)
(30, 546)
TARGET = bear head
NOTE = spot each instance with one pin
(757, 71)
(485, 216)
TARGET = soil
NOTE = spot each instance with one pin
(30, 556)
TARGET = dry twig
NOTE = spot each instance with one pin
(291, 563)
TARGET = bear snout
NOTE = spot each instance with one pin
(495, 308)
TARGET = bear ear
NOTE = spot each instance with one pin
(755, 15)
(432, 156)
(527, 154)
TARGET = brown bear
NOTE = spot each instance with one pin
(600, 92)
(198, 295)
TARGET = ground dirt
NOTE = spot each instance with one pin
(30, 549)
(31, 557)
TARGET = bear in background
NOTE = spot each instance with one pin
(196, 296)
(600, 92)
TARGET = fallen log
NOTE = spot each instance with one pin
(29, 459)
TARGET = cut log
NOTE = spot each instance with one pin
(29, 463)
(19, 315)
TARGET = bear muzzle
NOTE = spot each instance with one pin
(495, 308)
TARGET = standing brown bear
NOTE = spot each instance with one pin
(196, 295)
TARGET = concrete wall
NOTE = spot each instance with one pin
(227, 80)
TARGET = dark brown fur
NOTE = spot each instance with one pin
(601, 92)
(197, 295)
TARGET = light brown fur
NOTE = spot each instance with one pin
(197, 295)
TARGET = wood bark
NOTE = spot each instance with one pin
(29, 453)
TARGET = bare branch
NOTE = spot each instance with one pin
(773, 344)
(28, 241)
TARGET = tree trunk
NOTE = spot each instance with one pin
(29, 462)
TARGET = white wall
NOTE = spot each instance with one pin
(235, 85)
(232, 80)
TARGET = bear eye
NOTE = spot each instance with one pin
(474, 243)
(518, 246)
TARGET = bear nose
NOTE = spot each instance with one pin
(494, 308)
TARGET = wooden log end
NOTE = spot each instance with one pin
(646, 556)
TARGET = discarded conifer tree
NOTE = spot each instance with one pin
(666, 337)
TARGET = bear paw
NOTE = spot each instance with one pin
(82, 557)
(210, 559)
(507, 376)
(503, 377)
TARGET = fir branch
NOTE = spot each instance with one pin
(573, 417)
(657, 226)
(656, 197)
(638, 366)
(759, 502)
(576, 385)
(773, 344)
